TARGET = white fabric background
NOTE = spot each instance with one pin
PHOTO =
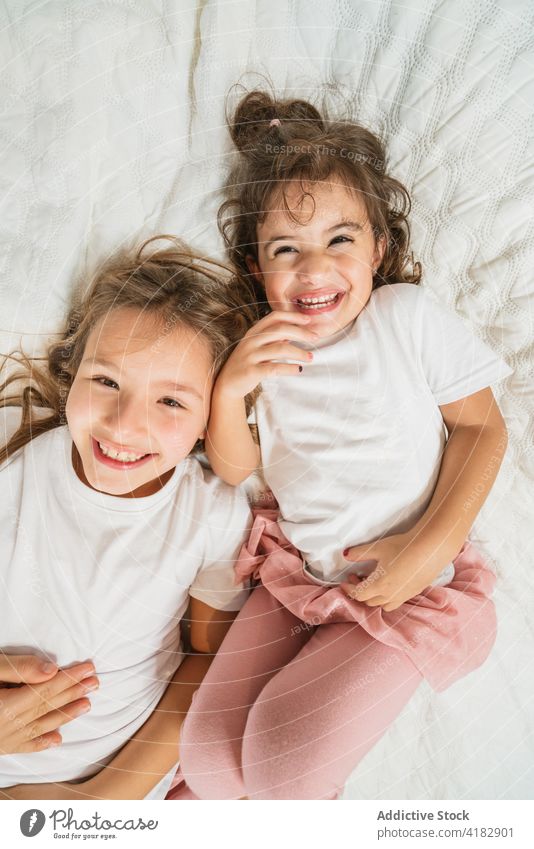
(112, 128)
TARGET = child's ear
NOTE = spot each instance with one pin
(380, 248)
(254, 268)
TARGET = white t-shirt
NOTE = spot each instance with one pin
(351, 448)
(89, 576)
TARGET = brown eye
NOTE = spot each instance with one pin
(339, 240)
(285, 249)
(173, 403)
(106, 381)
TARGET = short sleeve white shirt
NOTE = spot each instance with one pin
(351, 448)
(90, 576)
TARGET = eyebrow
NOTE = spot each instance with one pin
(346, 224)
(182, 387)
(177, 387)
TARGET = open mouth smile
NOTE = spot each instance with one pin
(109, 456)
(319, 303)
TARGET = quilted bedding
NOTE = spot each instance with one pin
(112, 128)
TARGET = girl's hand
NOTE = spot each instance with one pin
(404, 569)
(35, 701)
(254, 357)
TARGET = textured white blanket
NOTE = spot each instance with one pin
(112, 128)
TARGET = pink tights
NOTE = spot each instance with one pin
(287, 711)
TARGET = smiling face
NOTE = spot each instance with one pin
(138, 403)
(321, 265)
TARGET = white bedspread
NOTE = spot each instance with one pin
(112, 128)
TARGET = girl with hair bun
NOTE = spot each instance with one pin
(380, 440)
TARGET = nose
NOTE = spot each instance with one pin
(314, 267)
(125, 422)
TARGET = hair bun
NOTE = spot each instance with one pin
(258, 114)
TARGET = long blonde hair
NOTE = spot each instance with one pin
(172, 284)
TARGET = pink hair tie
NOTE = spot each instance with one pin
(275, 122)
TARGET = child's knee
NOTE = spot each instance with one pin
(280, 772)
(209, 758)
(282, 760)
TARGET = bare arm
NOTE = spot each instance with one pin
(152, 752)
(407, 563)
(471, 460)
(231, 450)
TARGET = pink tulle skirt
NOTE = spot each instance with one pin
(447, 631)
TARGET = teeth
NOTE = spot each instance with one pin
(123, 456)
(311, 302)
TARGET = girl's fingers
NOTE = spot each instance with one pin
(39, 744)
(282, 330)
(375, 601)
(280, 351)
(32, 711)
(283, 317)
(37, 699)
(284, 333)
(51, 722)
(63, 700)
(25, 669)
(273, 369)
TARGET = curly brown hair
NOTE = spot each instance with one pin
(171, 284)
(289, 140)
